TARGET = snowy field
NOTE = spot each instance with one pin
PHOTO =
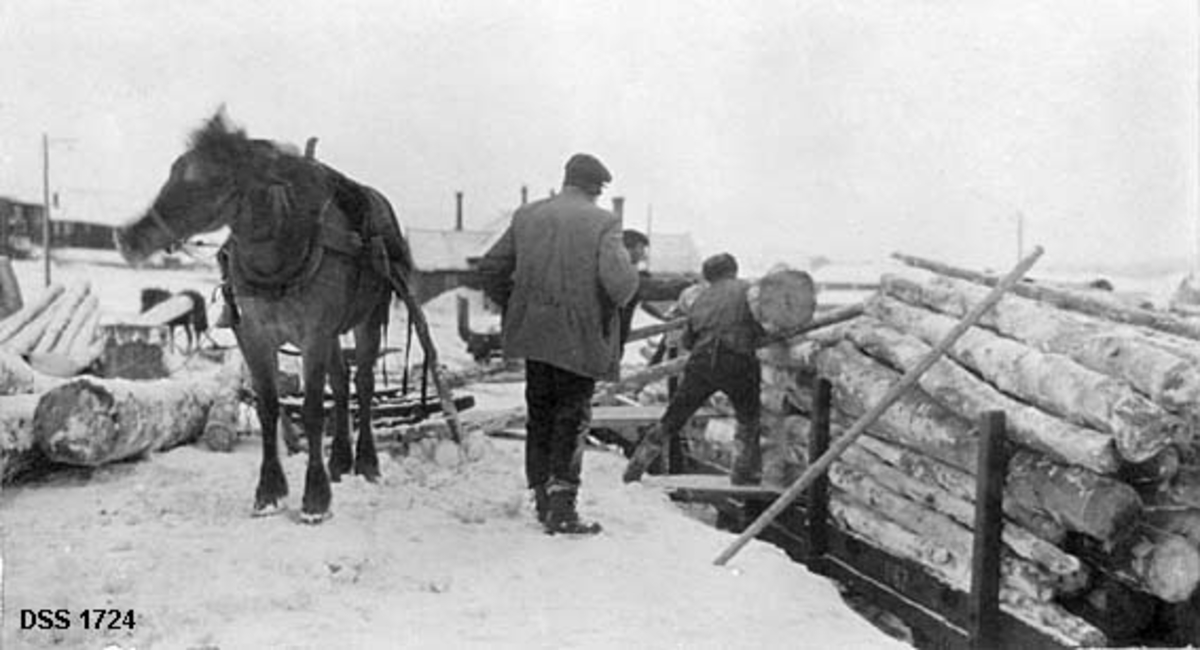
(432, 556)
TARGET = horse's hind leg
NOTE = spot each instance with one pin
(366, 350)
(272, 483)
(341, 456)
(317, 494)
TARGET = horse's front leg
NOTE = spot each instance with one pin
(317, 494)
(341, 456)
(259, 355)
(366, 348)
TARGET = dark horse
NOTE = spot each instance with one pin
(311, 254)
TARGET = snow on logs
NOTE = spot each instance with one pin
(1102, 496)
(56, 333)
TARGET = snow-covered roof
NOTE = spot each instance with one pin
(445, 250)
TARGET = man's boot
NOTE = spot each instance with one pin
(649, 449)
(561, 516)
(747, 456)
(541, 502)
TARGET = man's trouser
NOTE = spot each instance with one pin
(559, 405)
(710, 369)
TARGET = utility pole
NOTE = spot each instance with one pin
(46, 205)
(1020, 235)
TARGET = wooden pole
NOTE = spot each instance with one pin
(906, 382)
(818, 493)
(46, 206)
(989, 522)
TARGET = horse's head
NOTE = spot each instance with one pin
(201, 194)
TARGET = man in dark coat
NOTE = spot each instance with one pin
(561, 275)
(723, 337)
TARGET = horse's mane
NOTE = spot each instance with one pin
(218, 140)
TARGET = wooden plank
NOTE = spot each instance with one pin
(706, 487)
(989, 522)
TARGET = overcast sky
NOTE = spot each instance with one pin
(765, 127)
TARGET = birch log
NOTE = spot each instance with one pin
(1084, 501)
(1018, 574)
(90, 422)
(966, 394)
(1055, 382)
(16, 322)
(1157, 562)
(1115, 350)
(961, 485)
(1093, 305)
(1047, 617)
(65, 310)
(958, 506)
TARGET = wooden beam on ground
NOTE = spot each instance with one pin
(906, 382)
(711, 487)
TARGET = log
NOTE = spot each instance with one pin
(166, 311)
(961, 485)
(14, 323)
(1019, 574)
(1066, 299)
(90, 422)
(65, 309)
(1083, 500)
(896, 540)
(914, 420)
(1119, 351)
(76, 349)
(30, 337)
(782, 300)
(970, 397)
(1157, 562)
(17, 450)
(1118, 610)
(88, 313)
(1054, 382)
(958, 506)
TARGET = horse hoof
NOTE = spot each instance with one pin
(369, 476)
(266, 509)
(314, 518)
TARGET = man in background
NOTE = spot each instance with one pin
(651, 287)
(561, 274)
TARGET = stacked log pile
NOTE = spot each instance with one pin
(1102, 497)
(56, 333)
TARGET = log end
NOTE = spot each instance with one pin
(1170, 567)
(72, 423)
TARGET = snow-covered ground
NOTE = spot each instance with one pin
(432, 556)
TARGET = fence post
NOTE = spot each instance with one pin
(989, 522)
(818, 492)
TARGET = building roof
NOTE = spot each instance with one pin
(445, 250)
(673, 253)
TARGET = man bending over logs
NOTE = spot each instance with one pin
(723, 335)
